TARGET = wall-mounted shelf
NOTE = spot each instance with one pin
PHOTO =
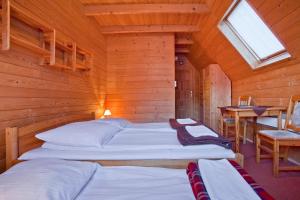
(55, 51)
(84, 59)
(13, 13)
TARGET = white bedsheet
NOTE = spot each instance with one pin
(151, 140)
(143, 183)
(162, 126)
(214, 152)
(223, 182)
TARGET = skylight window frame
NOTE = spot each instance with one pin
(241, 45)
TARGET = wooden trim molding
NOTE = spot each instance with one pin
(123, 9)
(149, 29)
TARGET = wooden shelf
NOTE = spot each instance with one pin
(9, 35)
(28, 45)
(26, 17)
(82, 67)
(61, 66)
(87, 59)
(49, 42)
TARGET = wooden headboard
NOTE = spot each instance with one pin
(22, 139)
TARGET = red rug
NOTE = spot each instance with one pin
(284, 187)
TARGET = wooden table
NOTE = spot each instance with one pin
(247, 112)
(276, 142)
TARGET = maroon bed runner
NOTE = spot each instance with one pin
(185, 138)
(175, 125)
(200, 191)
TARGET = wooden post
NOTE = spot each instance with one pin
(52, 47)
(254, 129)
(237, 132)
(222, 125)
(74, 54)
(12, 146)
(275, 157)
(257, 148)
(5, 24)
(239, 158)
(279, 122)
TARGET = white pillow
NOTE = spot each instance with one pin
(120, 122)
(89, 134)
(46, 179)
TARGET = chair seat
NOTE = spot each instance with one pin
(280, 134)
(229, 120)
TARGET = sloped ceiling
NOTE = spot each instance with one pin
(210, 46)
(282, 16)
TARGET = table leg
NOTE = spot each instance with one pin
(275, 158)
(257, 148)
(279, 120)
(254, 129)
(237, 132)
(222, 125)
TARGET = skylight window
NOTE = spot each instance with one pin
(251, 36)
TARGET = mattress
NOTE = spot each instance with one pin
(157, 154)
(127, 183)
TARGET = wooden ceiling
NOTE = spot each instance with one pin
(209, 44)
(154, 18)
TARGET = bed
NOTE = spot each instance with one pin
(60, 179)
(21, 141)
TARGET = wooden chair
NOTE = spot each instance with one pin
(281, 139)
(230, 122)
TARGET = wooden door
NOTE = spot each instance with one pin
(187, 92)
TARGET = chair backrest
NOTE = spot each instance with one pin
(293, 114)
(244, 100)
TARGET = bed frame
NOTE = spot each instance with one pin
(22, 139)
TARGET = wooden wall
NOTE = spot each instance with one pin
(141, 74)
(216, 93)
(29, 92)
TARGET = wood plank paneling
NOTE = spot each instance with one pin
(140, 76)
(30, 93)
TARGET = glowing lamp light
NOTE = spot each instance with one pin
(107, 113)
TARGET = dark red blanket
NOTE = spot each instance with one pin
(175, 125)
(200, 191)
(185, 138)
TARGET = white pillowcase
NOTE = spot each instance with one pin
(46, 179)
(87, 134)
(120, 122)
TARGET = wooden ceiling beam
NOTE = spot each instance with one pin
(121, 9)
(183, 41)
(149, 29)
(182, 50)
